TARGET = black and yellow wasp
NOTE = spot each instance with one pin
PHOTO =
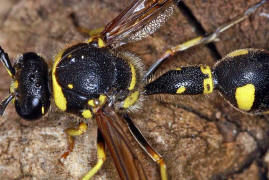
(97, 80)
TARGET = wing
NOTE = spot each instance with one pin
(124, 159)
(140, 19)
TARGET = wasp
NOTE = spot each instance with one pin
(97, 80)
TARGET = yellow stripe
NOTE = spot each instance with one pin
(181, 90)
(238, 53)
(131, 99)
(208, 82)
(133, 80)
(43, 110)
(59, 98)
(245, 97)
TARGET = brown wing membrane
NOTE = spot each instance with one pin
(138, 20)
(128, 166)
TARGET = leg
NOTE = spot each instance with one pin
(4, 103)
(201, 39)
(146, 147)
(91, 33)
(70, 137)
(11, 71)
(6, 62)
(101, 155)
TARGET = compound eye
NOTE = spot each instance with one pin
(30, 109)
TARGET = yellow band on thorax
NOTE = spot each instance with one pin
(59, 98)
(131, 99)
(133, 79)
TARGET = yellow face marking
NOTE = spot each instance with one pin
(14, 85)
(70, 86)
(69, 56)
(238, 53)
(59, 98)
(245, 97)
(133, 80)
(101, 43)
(208, 82)
(131, 99)
(43, 110)
(178, 69)
(102, 99)
(181, 90)
(86, 114)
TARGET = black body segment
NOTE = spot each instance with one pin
(86, 72)
(32, 96)
(243, 79)
(184, 80)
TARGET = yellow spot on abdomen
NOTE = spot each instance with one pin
(181, 90)
(238, 53)
(59, 98)
(208, 82)
(245, 97)
(86, 114)
(131, 99)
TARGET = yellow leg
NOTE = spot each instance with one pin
(163, 169)
(93, 34)
(146, 147)
(201, 39)
(158, 159)
(101, 155)
(70, 137)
